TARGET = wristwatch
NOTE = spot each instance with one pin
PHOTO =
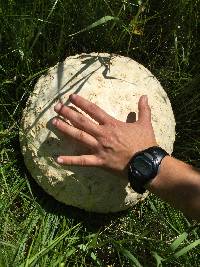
(144, 166)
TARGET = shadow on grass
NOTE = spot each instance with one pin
(91, 220)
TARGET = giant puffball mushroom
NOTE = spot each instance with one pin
(113, 82)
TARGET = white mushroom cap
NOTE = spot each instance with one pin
(113, 82)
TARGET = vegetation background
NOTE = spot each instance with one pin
(35, 230)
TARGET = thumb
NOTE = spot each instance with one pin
(144, 111)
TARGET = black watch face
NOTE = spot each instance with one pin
(143, 166)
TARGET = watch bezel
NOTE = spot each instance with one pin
(139, 168)
(137, 180)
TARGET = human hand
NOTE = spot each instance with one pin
(112, 142)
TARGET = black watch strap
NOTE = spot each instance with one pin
(154, 155)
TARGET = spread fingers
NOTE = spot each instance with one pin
(78, 120)
(75, 133)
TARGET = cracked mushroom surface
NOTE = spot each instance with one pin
(113, 82)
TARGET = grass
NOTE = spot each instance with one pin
(35, 230)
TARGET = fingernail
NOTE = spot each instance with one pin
(145, 99)
(72, 96)
(55, 121)
(59, 160)
(57, 107)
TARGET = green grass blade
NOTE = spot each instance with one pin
(158, 259)
(43, 25)
(7, 244)
(178, 241)
(95, 24)
(49, 247)
(70, 252)
(184, 250)
(52, 9)
(130, 256)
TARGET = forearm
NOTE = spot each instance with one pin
(179, 184)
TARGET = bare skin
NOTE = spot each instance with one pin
(112, 144)
(179, 184)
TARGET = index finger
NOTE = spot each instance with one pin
(91, 109)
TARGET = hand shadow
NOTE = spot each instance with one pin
(131, 117)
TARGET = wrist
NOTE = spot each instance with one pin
(178, 183)
(159, 182)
